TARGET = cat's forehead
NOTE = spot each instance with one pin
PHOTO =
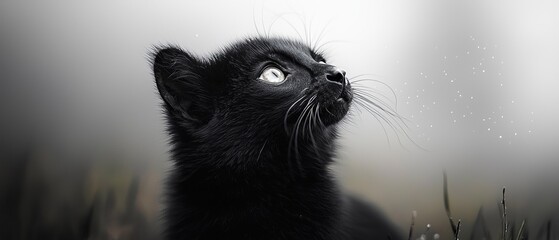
(266, 46)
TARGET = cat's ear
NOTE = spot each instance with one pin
(184, 89)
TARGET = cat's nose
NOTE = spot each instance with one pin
(336, 75)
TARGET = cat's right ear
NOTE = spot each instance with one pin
(180, 80)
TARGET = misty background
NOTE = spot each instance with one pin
(81, 121)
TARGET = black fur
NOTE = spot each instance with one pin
(251, 157)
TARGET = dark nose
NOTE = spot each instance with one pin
(336, 75)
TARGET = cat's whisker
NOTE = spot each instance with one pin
(304, 23)
(318, 115)
(288, 113)
(375, 115)
(387, 110)
(276, 18)
(295, 135)
(261, 149)
(312, 122)
(378, 94)
(392, 113)
(315, 123)
(366, 94)
(319, 48)
(375, 81)
(320, 35)
(376, 99)
(262, 20)
(305, 110)
(398, 127)
(310, 32)
(375, 91)
(369, 105)
(254, 21)
(304, 114)
(293, 26)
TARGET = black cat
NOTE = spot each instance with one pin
(252, 132)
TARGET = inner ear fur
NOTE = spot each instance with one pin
(180, 81)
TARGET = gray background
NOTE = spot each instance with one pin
(477, 81)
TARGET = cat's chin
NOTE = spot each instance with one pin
(335, 111)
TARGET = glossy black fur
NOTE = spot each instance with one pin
(250, 157)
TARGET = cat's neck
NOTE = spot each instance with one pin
(247, 182)
(266, 152)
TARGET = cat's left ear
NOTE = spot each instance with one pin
(182, 85)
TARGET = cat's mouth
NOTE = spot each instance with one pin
(336, 106)
(345, 93)
(324, 104)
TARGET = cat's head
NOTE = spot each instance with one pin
(270, 85)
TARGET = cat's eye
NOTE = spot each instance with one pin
(272, 75)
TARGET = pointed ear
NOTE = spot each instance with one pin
(180, 80)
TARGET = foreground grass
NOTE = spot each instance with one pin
(115, 208)
(481, 229)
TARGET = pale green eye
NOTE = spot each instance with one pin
(272, 75)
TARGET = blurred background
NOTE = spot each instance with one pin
(83, 153)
